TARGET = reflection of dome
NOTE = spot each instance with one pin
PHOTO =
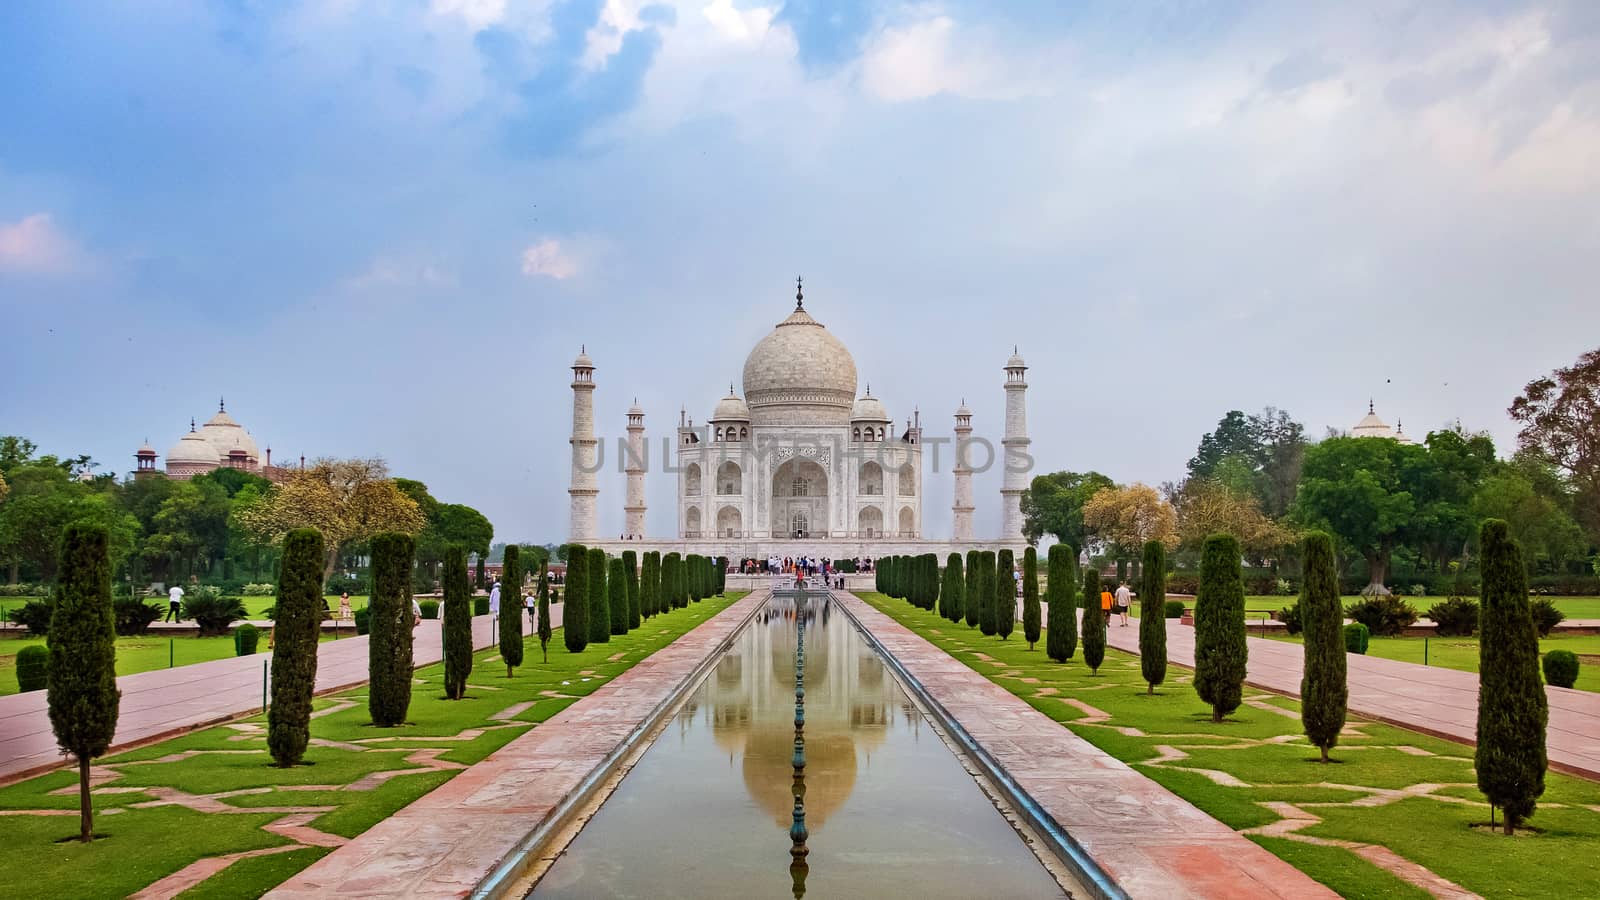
(830, 773)
(800, 374)
(193, 449)
(227, 436)
(731, 409)
(869, 409)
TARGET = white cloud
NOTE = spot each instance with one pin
(35, 246)
(932, 57)
(478, 14)
(390, 273)
(550, 259)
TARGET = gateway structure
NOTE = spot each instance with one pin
(800, 464)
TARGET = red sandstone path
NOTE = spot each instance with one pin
(1432, 700)
(167, 702)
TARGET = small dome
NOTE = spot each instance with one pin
(1371, 426)
(1400, 434)
(193, 448)
(731, 408)
(583, 361)
(227, 435)
(146, 449)
(869, 409)
(962, 409)
(635, 409)
(1015, 362)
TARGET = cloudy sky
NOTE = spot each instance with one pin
(385, 228)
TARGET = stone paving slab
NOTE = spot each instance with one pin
(449, 840)
(167, 702)
(1150, 841)
(1430, 699)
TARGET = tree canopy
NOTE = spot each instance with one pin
(1560, 419)
(1053, 504)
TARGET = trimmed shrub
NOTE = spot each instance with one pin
(986, 579)
(389, 649)
(1560, 668)
(617, 587)
(1356, 638)
(34, 616)
(33, 668)
(480, 603)
(691, 571)
(954, 589)
(216, 614)
(82, 678)
(245, 639)
(1005, 594)
(650, 584)
(294, 650)
(1174, 609)
(134, 615)
(1061, 587)
(1455, 617)
(1152, 622)
(722, 574)
(542, 610)
(1293, 618)
(1384, 616)
(1094, 621)
(1324, 692)
(430, 608)
(972, 604)
(599, 598)
(630, 570)
(669, 582)
(575, 615)
(1545, 615)
(1030, 596)
(510, 623)
(1220, 647)
(1512, 708)
(362, 616)
(457, 622)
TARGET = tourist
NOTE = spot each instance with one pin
(1124, 598)
(174, 604)
(532, 607)
(416, 613)
(494, 600)
(1105, 606)
(344, 605)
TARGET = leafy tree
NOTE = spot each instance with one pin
(82, 678)
(1206, 506)
(575, 618)
(1153, 615)
(617, 588)
(599, 598)
(630, 568)
(1127, 517)
(954, 590)
(543, 606)
(1560, 419)
(987, 578)
(1030, 596)
(1005, 595)
(389, 623)
(457, 623)
(1220, 647)
(1324, 693)
(296, 623)
(1353, 488)
(1258, 455)
(972, 605)
(510, 623)
(1513, 711)
(1094, 622)
(1529, 495)
(15, 451)
(1053, 504)
(1061, 638)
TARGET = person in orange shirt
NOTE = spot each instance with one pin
(1105, 606)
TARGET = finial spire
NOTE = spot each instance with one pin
(222, 404)
(1369, 406)
(730, 389)
(799, 294)
(191, 424)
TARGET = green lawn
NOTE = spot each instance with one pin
(143, 845)
(1261, 747)
(138, 654)
(1462, 652)
(1259, 605)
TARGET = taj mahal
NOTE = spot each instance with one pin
(801, 463)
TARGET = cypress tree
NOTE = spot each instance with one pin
(877, 577)
(972, 605)
(389, 629)
(599, 598)
(544, 609)
(691, 573)
(1061, 637)
(1220, 648)
(650, 583)
(722, 576)
(81, 683)
(986, 581)
(683, 584)
(1512, 708)
(954, 590)
(618, 584)
(575, 614)
(630, 568)
(1153, 615)
(511, 609)
(1094, 622)
(296, 622)
(483, 583)
(1030, 596)
(931, 563)
(457, 622)
(1324, 692)
(669, 582)
(887, 565)
(1005, 595)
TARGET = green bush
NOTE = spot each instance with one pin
(215, 614)
(34, 616)
(1560, 668)
(600, 596)
(1220, 647)
(1324, 685)
(245, 639)
(294, 649)
(510, 619)
(1356, 637)
(24, 590)
(1545, 615)
(457, 622)
(954, 590)
(363, 617)
(971, 603)
(134, 615)
(1094, 621)
(480, 603)
(1290, 617)
(1385, 616)
(1030, 596)
(1153, 626)
(1455, 617)
(630, 571)
(617, 593)
(1060, 592)
(257, 590)
(575, 621)
(430, 608)
(33, 668)
(1513, 710)
(1174, 609)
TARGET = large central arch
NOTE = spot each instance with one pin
(799, 498)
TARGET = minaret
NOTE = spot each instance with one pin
(1014, 459)
(633, 507)
(962, 507)
(584, 528)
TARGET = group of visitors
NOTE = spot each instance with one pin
(1117, 603)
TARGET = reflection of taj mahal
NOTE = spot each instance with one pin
(800, 463)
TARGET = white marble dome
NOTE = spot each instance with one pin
(730, 409)
(227, 435)
(193, 449)
(800, 374)
(869, 409)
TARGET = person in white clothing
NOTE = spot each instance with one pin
(1124, 598)
(494, 599)
(174, 604)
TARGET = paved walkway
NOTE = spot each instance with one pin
(166, 702)
(1433, 700)
(1150, 841)
(447, 842)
